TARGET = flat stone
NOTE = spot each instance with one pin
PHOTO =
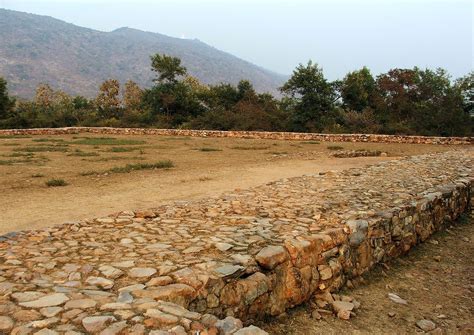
(51, 300)
(26, 315)
(250, 330)
(229, 325)
(168, 292)
(223, 246)
(426, 325)
(27, 296)
(160, 281)
(271, 256)
(124, 264)
(115, 328)
(6, 323)
(80, 303)
(110, 272)
(133, 287)
(44, 323)
(46, 331)
(396, 299)
(163, 318)
(101, 282)
(177, 310)
(229, 269)
(141, 272)
(115, 306)
(97, 323)
(342, 306)
(51, 311)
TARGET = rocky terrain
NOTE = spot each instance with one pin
(244, 255)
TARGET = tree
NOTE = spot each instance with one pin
(424, 102)
(108, 100)
(6, 103)
(168, 68)
(358, 90)
(312, 96)
(465, 87)
(44, 96)
(132, 95)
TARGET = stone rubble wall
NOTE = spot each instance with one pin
(245, 134)
(246, 255)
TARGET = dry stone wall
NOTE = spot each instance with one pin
(246, 134)
(245, 255)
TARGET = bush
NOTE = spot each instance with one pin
(56, 182)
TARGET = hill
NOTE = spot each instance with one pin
(38, 49)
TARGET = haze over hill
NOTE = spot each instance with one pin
(40, 49)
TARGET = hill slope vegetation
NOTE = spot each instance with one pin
(40, 49)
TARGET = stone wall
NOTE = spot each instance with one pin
(246, 134)
(247, 254)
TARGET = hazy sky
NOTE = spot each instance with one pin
(340, 35)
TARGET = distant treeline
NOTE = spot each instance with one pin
(401, 101)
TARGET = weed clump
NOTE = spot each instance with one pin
(56, 182)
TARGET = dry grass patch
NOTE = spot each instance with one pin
(97, 141)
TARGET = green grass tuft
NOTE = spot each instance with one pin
(48, 148)
(207, 149)
(56, 182)
(122, 149)
(48, 140)
(250, 148)
(142, 166)
(132, 167)
(14, 136)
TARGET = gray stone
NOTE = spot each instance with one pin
(50, 300)
(229, 325)
(396, 299)
(358, 230)
(101, 282)
(426, 325)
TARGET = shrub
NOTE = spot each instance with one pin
(206, 149)
(56, 182)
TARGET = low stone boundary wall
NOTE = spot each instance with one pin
(246, 254)
(246, 134)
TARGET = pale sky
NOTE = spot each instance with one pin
(339, 35)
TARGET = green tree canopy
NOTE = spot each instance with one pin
(6, 103)
(167, 67)
(357, 90)
(313, 97)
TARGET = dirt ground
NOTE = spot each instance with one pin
(436, 278)
(202, 167)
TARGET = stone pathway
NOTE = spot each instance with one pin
(171, 269)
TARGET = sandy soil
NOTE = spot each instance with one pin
(436, 278)
(26, 203)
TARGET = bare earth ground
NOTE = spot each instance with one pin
(441, 291)
(27, 203)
